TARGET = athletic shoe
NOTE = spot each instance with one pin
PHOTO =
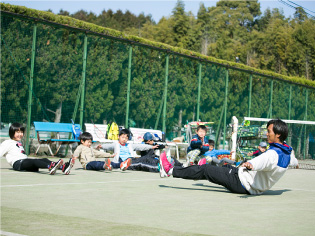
(165, 165)
(107, 165)
(67, 166)
(54, 166)
(124, 165)
(202, 161)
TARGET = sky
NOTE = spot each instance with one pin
(156, 8)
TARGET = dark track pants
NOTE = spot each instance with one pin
(145, 163)
(95, 165)
(31, 164)
(148, 163)
(226, 176)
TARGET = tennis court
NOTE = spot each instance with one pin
(141, 203)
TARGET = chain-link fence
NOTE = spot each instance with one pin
(52, 72)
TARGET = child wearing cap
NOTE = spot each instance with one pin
(149, 161)
(148, 138)
(262, 147)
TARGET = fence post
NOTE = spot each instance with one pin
(165, 93)
(30, 92)
(199, 85)
(225, 104)
(305, 118)
(250, 94)
(217, 135)
(83, 81)
(128, 87)
(270, 101)
(289, 116)
(160, 111)
(290, 102)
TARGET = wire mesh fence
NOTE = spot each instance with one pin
(54, 73)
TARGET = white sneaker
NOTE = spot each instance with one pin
(54, 166)
(67, 166)
(124, 165)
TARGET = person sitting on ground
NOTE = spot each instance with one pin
(149, 161)
(262, 147)
(198, 145)
(87, 155)
(254, 176)
(123, 150)
(212, 156)
(14, 153)
(149, 139)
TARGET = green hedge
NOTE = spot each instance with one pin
(71, 22)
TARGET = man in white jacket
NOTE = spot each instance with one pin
(253, 177)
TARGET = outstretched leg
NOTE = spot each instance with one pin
(226, 176)
(32, 165)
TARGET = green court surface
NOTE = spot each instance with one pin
(142, 203)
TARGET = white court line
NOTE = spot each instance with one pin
(109, 182)
(10, 234)
(58, 184)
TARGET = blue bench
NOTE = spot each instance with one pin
(63, 134)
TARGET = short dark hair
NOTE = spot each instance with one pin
(86, 136)
(203, 127)
(211, 142)
(279, 127)
(124, 131)
(15, 127)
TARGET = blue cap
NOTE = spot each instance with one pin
(147, 136)
(263, 144)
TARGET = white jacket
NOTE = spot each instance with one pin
(268, 168)
(12, 150)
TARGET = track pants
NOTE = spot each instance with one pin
(226, 176)
(95, 165)
(145, 163)
(148, 163)
(31, 164)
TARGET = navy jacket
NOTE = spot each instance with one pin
(197, 143)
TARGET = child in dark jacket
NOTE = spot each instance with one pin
(198, 145)
(149, 161)
(262, 147)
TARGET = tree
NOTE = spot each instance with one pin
(180, 25)
(300, 14)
